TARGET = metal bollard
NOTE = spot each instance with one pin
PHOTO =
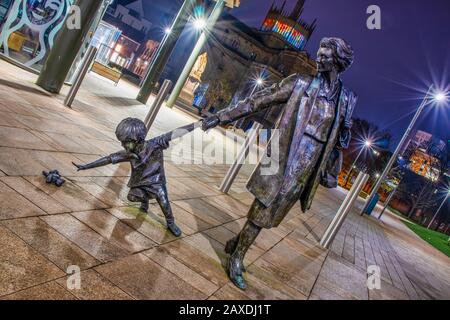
(90, 55)
(237, 165)
(344, 209)
(156, 106)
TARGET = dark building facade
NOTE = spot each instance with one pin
(236, 55)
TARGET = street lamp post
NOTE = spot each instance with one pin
(396, 152)
(206, 27)
(367, 143)
(439, 209)
(163, 52)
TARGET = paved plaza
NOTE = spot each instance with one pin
(124, 254)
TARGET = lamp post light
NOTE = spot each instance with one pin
(164, 50)
(367, 144)
(207, 26)
(439, 209)
(438, 97)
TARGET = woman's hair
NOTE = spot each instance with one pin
(343, 52)
(131, 129)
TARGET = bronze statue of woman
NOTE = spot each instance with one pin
(313, 128)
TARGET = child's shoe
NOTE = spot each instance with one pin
(174, 229)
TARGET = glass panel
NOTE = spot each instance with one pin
(29, 31)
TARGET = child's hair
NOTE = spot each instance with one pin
(131, 129)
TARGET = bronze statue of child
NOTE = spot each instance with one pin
(147, 179)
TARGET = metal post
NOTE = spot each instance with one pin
(439, 209)
(237, 165)
(163, 52)
(156, 106)
(243, 152)
(67, 44)
(90, 55)
(396, 152)
(353, 164)
(389, 198)
(344, 209)
(215, 14)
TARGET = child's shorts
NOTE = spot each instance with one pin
(145, 193)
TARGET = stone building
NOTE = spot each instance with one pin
(237, 54)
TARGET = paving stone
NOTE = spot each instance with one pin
(14, 137)
(8, 119)
(387, 292)
(162, 257)
(46, 291)
(95, 287)
(35, 195)
(114, 230)
(320, 292)
(222, 235)
(14, 205)
(205, 211)
(233, 207)
(200, 262)
(349, 248)
(106, 196)
(142, 278)
(185, 221)
(337, 274)
(69, 194)
(118, 187)
(150, 225)
(21, 266)
(15, 162)
(290, 268)
(87, 239)
(41, 237)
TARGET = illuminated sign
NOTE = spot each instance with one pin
(292, 36)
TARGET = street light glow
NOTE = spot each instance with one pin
(367, 143)
(168, 30)
(259, 82)
(199, 23)
(440, 96)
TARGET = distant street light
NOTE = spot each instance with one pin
(367, 144)
(439, 209)
(168, 30)
(437, 97)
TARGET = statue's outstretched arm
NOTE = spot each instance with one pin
(275, 94)
(121, 156)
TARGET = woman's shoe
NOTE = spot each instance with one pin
(235, 273)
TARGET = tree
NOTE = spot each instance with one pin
(420, 188)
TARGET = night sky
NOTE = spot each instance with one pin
(393, 66)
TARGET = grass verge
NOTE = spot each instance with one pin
(438, 240)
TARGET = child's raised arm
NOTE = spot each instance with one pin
(121, 156)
